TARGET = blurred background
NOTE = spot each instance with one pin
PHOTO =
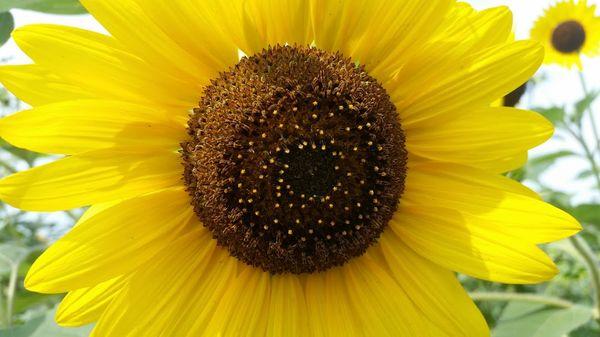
(564, 171)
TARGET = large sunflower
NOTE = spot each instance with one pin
(567, 30)
(326, 184)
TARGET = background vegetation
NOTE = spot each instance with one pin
(566, 306)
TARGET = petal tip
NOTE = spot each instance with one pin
(31, 283)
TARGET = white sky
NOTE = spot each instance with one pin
(561, 87)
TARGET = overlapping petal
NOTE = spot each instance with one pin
(111, 243)
(36, 85)
(99, 64)
(434, 290)
(491, 201)
(379, 34)
(83, 125)
(85, 306)
(92, 177)
(477, 80)
(479, 137)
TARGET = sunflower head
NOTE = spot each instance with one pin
(514, 97)
(568, 30)
(296, 159)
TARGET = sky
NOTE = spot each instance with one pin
(562, 86)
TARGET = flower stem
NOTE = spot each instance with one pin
(532, 298)
(588, 153)
(589, 110)
(592, 263)
(579, 243)
(10, 293)
(8, 167)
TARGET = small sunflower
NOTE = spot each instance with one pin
(568, 30)
(514, 97)
(328, 183)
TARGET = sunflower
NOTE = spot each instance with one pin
(280, 167)
(567, 30)
(514, 97)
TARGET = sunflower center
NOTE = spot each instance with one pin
(568, 37)
(295, 160)
(514, 97)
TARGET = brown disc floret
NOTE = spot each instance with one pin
(568, 37)
(295, 160)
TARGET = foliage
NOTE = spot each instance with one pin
(7, 24)
(45, 6)
(44, 326)
(569, 305)
(537, 320)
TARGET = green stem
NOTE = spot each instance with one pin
(10, 293)
(8, 167)
(2, 292)
(532, 298)
(72, 215)
(589, 110)
(579, 243)
(588, 154)
(592, 263)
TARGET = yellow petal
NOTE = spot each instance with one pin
(338, 24)
(380, 305)
(111, 243)
(479, 137)
(434, 290)
(83, 125)
(173, 292)
(129, 24)
(494, 202)
(35, 85)
(98, 63)
(478, 80)
(379, 34)
(506, 164)
(479, 29)
(446, 238)
(243, 308)
(92, 177)
(464, 33)
(396, 30)
(287, 308)
(275, 22)
(329, 307)
(95, 209)
(85, 306)
(196, 27)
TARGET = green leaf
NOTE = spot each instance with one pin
(44, 326)
(584, 104)
(46, 6)
(7, 24)
(536, 166)
(587, 213)
(25, 300)
(585, 174)
(555, 114)
(533, 320)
